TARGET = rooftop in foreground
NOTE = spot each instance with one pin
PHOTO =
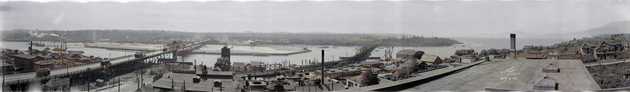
(519, 75)
(185, 82)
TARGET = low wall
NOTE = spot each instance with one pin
(612, 89)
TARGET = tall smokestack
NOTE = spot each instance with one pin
(513, 42)
(322, 68)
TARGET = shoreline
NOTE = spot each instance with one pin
(255, 53)
(115, 48)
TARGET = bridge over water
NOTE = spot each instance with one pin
(153, 56)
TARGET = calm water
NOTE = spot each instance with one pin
(332, 52)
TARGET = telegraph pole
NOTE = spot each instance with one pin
(118, 84)
(195, 65)
(141, 79)
(88, 80)
(3, 80)
(138, 80)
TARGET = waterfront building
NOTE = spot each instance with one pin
(342, 72)
(7, 68)
(368, 77)
(255, 66)
(25, 62)
(239, 67)
(608, 50)
(372, 63)
(431, 59)
(408, 53)
(223, 63)
(225, 52)
(44, 64)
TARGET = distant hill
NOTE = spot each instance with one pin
(599, 34)
(619, 27)
(420, 41)
(161, 36)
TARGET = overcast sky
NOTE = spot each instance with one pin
(447, 18)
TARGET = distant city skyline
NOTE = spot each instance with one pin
(442, 18)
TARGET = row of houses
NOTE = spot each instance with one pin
(615, 47)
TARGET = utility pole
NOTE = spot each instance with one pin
(3, 80)
(195, 65)
(332, 86)
(118, 84)
(88, 80)
(141, 79)
(70, 82)
(138, 80)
